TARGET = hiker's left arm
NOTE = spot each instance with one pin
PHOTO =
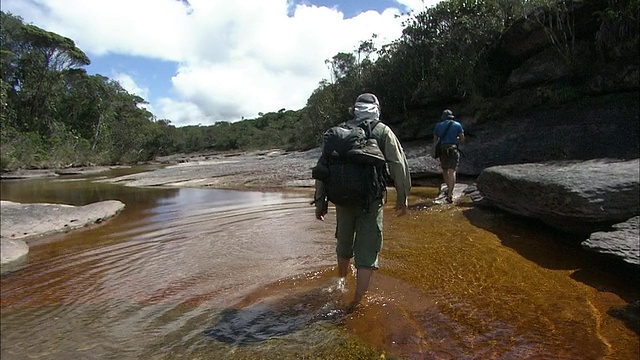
(398, 169)
(460, 133)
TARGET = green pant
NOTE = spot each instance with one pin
(359, 234)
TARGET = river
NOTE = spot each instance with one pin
(186, 273)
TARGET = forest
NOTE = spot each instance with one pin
(53, 114)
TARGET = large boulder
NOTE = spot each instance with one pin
(623, 242)
(578, 197)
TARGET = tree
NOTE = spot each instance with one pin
(341, 65)
(35, 63)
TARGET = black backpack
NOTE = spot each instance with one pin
(352, 166)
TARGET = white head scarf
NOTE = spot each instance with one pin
(366, 107)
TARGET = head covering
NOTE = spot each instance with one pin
(367, 107)
(447, 115)
(367, 98)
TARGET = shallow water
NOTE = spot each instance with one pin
(208, 274)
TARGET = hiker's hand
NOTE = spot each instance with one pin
(401, 210)
(320, 213)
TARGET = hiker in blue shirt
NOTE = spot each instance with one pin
(450, 133)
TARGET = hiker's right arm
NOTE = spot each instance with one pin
(320, 198)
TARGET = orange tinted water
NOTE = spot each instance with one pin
(201, 273)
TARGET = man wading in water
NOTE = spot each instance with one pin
(449, 132)
(359, 227)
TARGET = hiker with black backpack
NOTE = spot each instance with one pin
(446, 135)
(357, 157)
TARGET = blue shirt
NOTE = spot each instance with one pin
(451, 137)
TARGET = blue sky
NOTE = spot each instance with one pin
(204, 61)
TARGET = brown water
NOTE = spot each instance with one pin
(218, 274)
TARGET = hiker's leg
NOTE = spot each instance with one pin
(343, 267)
(455, 161)
(445, 176)
(362, 284)
(451, 182)
(369, 239)
(345, 231)
(443, 167)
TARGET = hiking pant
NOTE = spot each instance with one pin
(449, 157)
(359, 234)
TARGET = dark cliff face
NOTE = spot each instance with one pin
(605, 126)
(580, 47)
(576, 100)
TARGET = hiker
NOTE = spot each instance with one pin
(359, 230)
(449, 132)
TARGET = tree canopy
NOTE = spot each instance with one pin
(52, 113)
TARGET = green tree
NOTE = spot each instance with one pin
(41, 73)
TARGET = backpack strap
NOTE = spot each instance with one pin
(370, 125)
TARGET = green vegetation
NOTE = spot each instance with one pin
(53, 114)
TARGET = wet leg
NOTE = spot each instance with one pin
(362, 284)
(451, 183)
(343, 267)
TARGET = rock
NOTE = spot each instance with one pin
(474, 194)
(590, 128)
(24, 221)
(532, 52)
(12, 251)
(459, 190)
(623, 242)
(20, 222)
(575, 197)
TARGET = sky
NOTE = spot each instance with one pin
(198, 62)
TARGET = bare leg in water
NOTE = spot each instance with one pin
(451, 182)
(445, 178)
(362, 283)
(363, 277)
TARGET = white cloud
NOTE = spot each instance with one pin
(182, 113)
(127, 82)
(237, 58)
(417, 5)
